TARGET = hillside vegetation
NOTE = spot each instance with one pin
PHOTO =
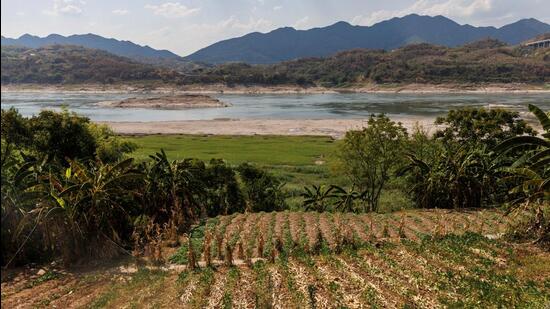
(73, 64)
(486, 61)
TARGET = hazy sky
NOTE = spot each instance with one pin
(184, 26)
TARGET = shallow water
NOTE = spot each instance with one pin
(274, 106)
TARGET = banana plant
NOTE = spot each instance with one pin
(530, 173)
(345, 199)
(95, 199)
(317, 197)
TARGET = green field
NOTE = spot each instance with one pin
(266, 150)
(297, 160)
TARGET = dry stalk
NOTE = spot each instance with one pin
(402, 228)
(372, 235)
(386, 231)
(279, 244)
(318, 241)
(273, 255)
(240, 251)
(261, 245)
(439, 228)
(219, 239)
(191, 258)
(228, 257)
(207, 249)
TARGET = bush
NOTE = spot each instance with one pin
(61, 136)
(262, 191)
(370, 156)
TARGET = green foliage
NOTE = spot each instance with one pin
(61, 136)
(110, 147)
(368, 157)
(457, 167)
(84, 199)
(483, 62)
(481, 126)
(529, 180)
(317, 198)
(530, 172)
(262, 191)
(462, 178)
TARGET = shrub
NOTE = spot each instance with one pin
(370, 156)
(262, 191)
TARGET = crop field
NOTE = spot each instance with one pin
(407, 259)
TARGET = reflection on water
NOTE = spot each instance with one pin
(287, 106)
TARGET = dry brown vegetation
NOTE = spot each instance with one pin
(432, 258)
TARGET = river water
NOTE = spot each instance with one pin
(274, 106)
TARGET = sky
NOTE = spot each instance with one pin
(184, 26)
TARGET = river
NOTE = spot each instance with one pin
(274, 106)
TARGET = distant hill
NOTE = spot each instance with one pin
(486, 61)
(113, 46)
(287, 43)
(64, 64)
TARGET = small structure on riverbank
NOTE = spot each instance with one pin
(539, 44)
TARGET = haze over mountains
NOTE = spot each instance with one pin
(117, 47)
(288, 43)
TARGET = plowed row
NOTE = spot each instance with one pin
(253, 236)
(324, 261)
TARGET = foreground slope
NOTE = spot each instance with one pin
(412, 258)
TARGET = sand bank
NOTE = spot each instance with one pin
(281, 89)
(180, 101)
(324, 127)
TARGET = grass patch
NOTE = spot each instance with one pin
(269, 150)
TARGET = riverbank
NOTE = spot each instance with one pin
(335, 128)
(283, 89)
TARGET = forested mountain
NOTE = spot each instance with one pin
(74, 64)
(288, 43)
(488, 61)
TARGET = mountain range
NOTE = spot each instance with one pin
(288, 43)
(114, 46)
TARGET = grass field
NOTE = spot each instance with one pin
(297, 160)
(265, 150)
(407, 259)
